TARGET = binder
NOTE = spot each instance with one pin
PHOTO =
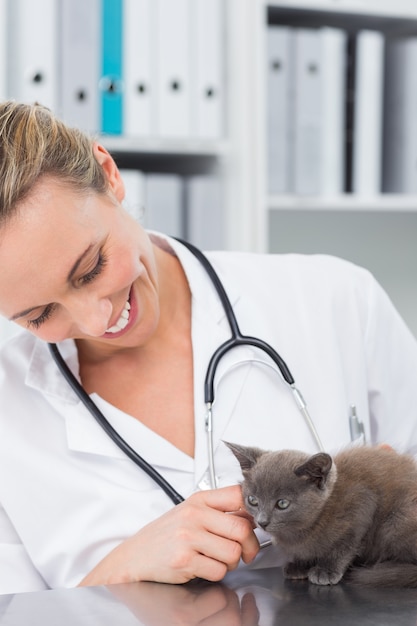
(111, 81)
(3, 49)
(173, 67)
(279, 73)
(368, 107)
(320, 59)
(307, 111)
(400, 117)
(134, 200)
(33, 51)
(80, 42)
(138, 68)
(205, 211)
(334, 71)
(207, 76)
(164, 204)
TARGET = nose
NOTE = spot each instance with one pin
(92, 315)
(262, 522)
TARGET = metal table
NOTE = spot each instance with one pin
(251, 598)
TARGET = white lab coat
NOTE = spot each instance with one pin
(69, 495)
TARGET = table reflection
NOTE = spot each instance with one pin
(251, 598)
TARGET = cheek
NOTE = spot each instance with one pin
(124, 268)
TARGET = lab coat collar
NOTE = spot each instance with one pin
(44, 375)
(204, 296)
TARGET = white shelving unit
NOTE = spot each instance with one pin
(377, 231)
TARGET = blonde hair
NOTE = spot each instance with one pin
(34, 143)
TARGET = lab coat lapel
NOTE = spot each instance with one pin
(210, 329)
(84, 434)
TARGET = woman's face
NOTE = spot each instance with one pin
(78, 266)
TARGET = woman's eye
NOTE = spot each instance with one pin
(96, 271)
(253, 501)
(45, 315)
(282, 504)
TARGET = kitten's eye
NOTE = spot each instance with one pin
(253, 501)
(282, 504)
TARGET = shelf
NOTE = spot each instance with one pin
(346, 202)
(171, 146)
(350, 15)
(379, 8)
(184, 156)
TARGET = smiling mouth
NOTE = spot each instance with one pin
(123, 320)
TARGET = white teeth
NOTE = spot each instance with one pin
(123, 320)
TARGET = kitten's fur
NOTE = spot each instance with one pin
(354, 514)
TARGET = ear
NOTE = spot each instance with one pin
(246, 456)
(104, 158)
(316, 469)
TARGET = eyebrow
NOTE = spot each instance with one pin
(69, 278)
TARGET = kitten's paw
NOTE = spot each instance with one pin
(322, 576)
(295, 571)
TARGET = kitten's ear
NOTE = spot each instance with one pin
(316, 469)
(246, 456)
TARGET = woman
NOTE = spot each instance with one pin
(136, 318)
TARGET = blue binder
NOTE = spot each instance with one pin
(111, 82)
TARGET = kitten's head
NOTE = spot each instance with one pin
(284, 489)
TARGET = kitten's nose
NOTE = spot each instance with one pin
(262, 523)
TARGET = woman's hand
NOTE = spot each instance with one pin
(199, 538)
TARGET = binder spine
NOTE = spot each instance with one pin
(111, 82)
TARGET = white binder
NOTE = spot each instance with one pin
(3, 49)
(368, 107)
(279, 75)
(134, 200)
(205, 214)
(207, 74)
(400, 117)
(319, 111)
(164, 204)
(33, 51)
(138, 68)
(173, 71)
(333, 69)
(79, 74)
(308, 119)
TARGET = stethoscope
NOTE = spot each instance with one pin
(237, 339)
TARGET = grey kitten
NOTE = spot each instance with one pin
(355, 514)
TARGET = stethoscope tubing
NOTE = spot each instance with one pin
(108, 428)
(237, 338)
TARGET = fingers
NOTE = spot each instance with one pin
(227, 499)
(229, 537)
